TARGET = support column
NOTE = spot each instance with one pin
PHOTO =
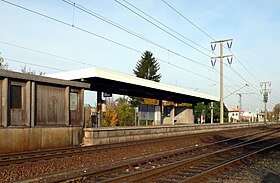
(172, 115)
(193, 105)
(99, 108)
(33, 104)
(81, 106)
(160, 106)
(5, 95)
(27, 110)
(212, 112)
(67, 106)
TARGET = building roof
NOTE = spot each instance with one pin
(118, 83)
(41, 79)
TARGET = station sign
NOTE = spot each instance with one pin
(105, 94)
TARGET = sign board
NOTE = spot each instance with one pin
(146, 112)
(73, 101)
(107, 94)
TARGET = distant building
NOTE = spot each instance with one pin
(237, 115)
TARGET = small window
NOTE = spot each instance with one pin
(16, 97)
(73, 101)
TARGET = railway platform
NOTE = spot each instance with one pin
(110, 135)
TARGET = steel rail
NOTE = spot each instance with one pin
(147, 175)
(123, 167)
(17, 158)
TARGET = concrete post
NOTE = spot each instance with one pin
(221, 85)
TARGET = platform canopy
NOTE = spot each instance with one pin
(118, 83)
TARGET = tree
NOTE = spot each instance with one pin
(276, 110)
(125, 112)
(147, 68)
(3, 65)
(109, 118)
(216, 112)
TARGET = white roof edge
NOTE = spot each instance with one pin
(111, 75)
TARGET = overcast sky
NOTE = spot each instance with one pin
(181, 43)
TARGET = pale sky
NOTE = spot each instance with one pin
(51, 46)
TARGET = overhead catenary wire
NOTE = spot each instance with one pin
(174, 31)
(37, 65)
(182, 68)
(137, 51)
(209, 36)
(70, 25)
(83, 30)
(90, 12)
(188, 20)
(46, 53)
(67, 24)
(172, 35)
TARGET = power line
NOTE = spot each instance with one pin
(23, 62)
(161, 28)
(213, 39)
(241, 76)
(90, 12)
(188, 20)
(70, 25)
(109, 40)
(91, 33)
(167, 26)
(245, 67)
(187, 70)
(50, 54)
(46, 53)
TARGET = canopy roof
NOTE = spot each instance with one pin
(118, 83)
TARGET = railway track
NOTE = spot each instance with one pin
(144, 166)
(18, 158)
(192, 169)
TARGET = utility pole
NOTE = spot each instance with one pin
(213, 61)
(265, 92)
(240, 106)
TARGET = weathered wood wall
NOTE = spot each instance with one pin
(31, 105)
(50, 105)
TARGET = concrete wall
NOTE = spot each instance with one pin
(95, 136)
(168, 115)
(183, 115)
(177, 115)
(27, 139)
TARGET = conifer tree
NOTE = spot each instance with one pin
(147, 67)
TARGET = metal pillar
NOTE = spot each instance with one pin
(212, 112)
(99, 108)
(161, 117)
